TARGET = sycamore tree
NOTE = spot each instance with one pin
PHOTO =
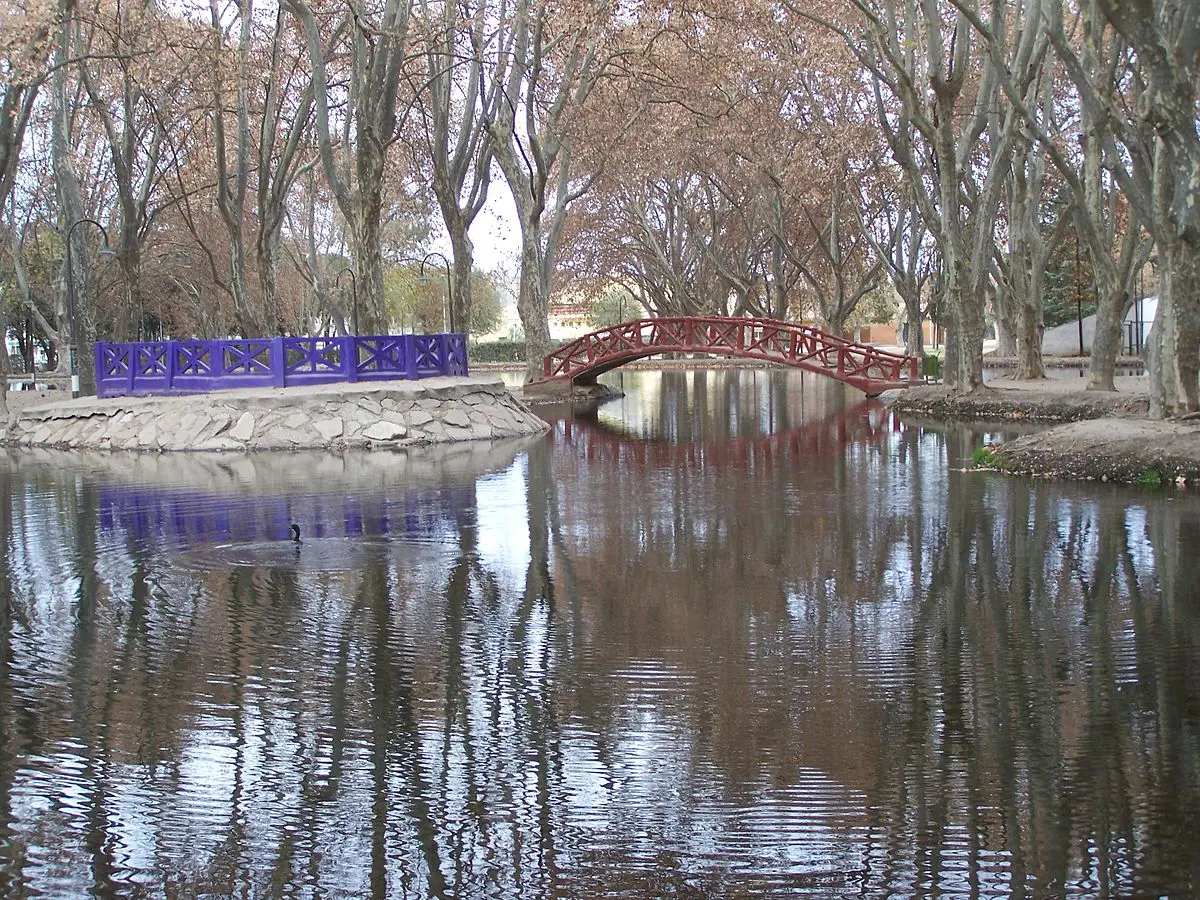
(1165, 36)
(543, 64)
(358, 56)
(938, 104)
(454, 134)
(25, 31)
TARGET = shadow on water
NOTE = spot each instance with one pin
(737, 635)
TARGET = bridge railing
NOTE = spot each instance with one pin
(767, 339)
(189, 367)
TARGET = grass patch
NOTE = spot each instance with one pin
(1151, 477)
(984, 458)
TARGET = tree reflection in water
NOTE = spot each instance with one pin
(743, 640)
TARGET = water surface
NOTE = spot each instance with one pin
(735, 634)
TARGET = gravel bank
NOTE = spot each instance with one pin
(1090, 435)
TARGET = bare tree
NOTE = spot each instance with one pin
(132, 69)
(1095, 65)
(1165, 35)
(456, 134)
(354, 161)
(543, 74)
(901, 241)
(233, 178)
(937, 105)
(286, 118)
(23, 57)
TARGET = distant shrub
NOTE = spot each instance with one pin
(496, 351)
(500, 351)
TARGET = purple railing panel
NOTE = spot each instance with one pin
(384, 357)
(189, 367)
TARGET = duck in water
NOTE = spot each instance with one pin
(295, 533)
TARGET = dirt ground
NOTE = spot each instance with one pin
(1089, 435)
(22, 399)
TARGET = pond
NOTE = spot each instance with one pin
(736, 633)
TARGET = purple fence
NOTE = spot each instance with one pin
(192, 367)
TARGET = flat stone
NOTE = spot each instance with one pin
(296, 421)
(244, 429)
(434, 431)
(220, 422)
(456, 418)
(370, 405)
(385, 431)
(418, 417)
(219, 443)
(284, 438)
(329, 429)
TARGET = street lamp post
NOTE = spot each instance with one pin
(353, 297)
(448, 309)
(448, 319)
(73, 350)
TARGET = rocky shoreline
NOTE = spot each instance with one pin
(386, 414)
(1089, 435)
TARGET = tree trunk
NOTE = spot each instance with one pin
(533, 301)
(1106, 341)
(914, 345)
(1171, 347)
(250, 322)
(464, 254)
(1030, 330)
(4, 368)
(963, 372)
(1007, 310)
(125, 328)
(267, 249)
(368, 263)
(70, 198)
(1025, 308)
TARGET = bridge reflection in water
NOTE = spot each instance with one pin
(867, 422)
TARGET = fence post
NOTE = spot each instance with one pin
(350, 357)
(410, 356)
(170, 345)
(278, 363)
(132, 350)
(97, 356)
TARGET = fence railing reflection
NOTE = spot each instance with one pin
(183, 519)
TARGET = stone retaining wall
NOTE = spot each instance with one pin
(336, 416)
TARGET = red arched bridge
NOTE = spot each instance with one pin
(867, 368)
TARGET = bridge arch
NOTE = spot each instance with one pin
(807, 347)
